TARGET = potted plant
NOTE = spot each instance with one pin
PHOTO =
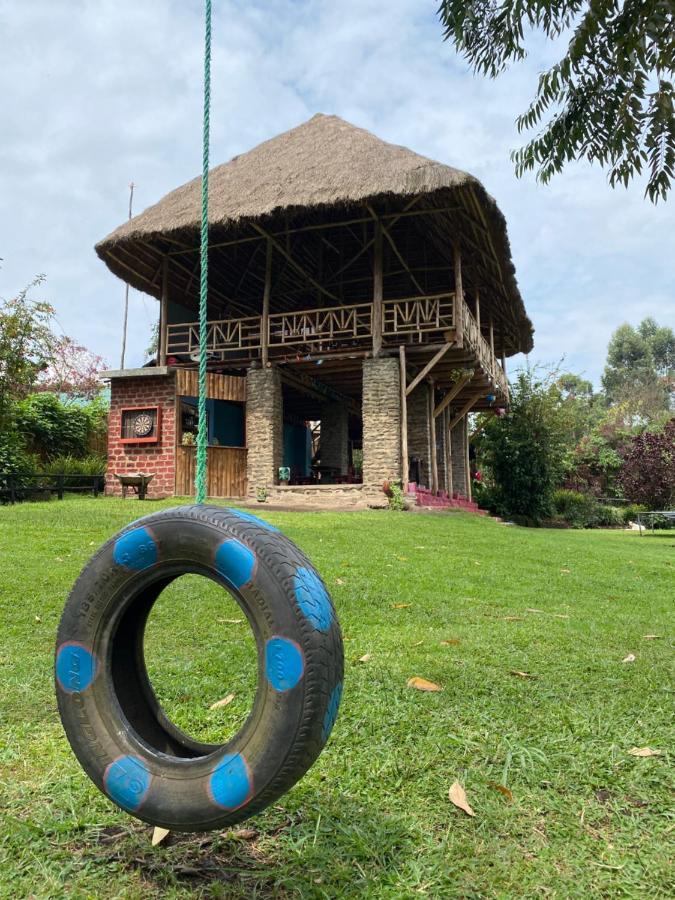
(261, 494)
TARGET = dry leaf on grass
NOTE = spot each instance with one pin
(520, 674)
(533, 610)
(158, 835)
(421, 684)
(644, 752)
(565, 571)
(339, 581)
(502, 790)
(451, 642)
(457, 796)
(417, 644)
(365, 657)
(652, 637)
(560, 616)
(230, 621)
(630, 658)
(513, 618)
(224, 702)
(400, 605)
(244, 834)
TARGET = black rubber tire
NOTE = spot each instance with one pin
(110, 713)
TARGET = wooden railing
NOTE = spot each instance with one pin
(418, 315)
(316, 326)
(425, 319)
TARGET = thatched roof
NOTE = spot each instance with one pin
(324, 170)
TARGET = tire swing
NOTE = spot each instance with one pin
(113, 720)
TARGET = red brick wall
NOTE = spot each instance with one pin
(158, 458)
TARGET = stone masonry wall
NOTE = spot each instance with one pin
(264, 428)
(381, 422)
(440, 452)
(158, 458)
(418, 430)
(459, 473)
(335, 437)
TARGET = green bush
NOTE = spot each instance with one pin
(608, 516)
(630, 512)
(52, 428)
(69, 465)
(577, 509)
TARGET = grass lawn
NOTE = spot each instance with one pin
(372, 818)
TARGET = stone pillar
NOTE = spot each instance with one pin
(381, 421)
(335, 437)
(440, 453)
(264, 428)
(458, 445)
(418, 431)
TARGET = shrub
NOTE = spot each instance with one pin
(69, 465)
(608, 516)
(648, 471)
(52, 428)
(395, 495)
(577, 509)
(630, 512)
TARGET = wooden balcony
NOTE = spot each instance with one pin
(414, 321)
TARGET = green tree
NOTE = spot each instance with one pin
(640, 369)
(609, 98)
(26, 341)
(525, 450)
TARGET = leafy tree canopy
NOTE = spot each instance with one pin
(609, 99)
(640, 369)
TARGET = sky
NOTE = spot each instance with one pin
(98, 93)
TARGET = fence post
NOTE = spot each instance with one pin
(60, 481)
(12, 489)
(96, 484)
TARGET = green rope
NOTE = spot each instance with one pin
(200, 475)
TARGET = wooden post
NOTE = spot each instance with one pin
(377, 290)
(459, 297)
(492, 339)
(163, 314)
(478, 310)
(265, 322)
(432, 439)
(405, 471)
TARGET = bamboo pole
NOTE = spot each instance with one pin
(163, 314)
(405, 470)
(465, 409)
(432, 439)
(429, 366)
(459, 296)
(377, 290)
(467, 465)
(126, 291)
(451, 394)
(265, 323)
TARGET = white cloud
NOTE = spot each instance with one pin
(99, 92)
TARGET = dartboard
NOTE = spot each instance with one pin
(143, 425)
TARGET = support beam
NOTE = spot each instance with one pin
(432, 439)
(163, 331)
(451, 394)
(459, 297)
(405, 469)
(478, 309)
(267, 291)
(492, 339)
(296, 265)
(429, 366)
(318, 389)
(465, 409)
(378, 290)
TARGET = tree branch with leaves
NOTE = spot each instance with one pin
(609, 99)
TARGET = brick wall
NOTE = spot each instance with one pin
(381, 422)
(335, 437)
(264, 428)
(158, 458)
(460, 482)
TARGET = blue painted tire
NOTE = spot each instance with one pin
(111, 716)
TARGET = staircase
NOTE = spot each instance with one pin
(441, 500)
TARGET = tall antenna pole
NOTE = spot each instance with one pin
(126, 289)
